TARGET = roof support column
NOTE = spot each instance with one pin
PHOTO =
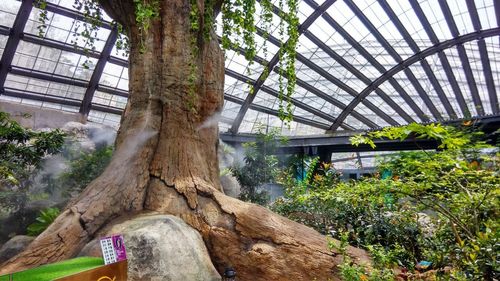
(96, 75)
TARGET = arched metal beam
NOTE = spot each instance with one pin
(442, 57)
(273, 112)
(390, 50)
(463, 57)
(328, 77)
(295, 102)
(333, 80)
(458, 41)
(357, 46)
(272, 63)
(483, 52)
(358, 75)
(425, 65)
(304, 85)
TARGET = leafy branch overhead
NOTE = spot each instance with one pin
(447, 136)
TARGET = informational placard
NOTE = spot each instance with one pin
(113, 249)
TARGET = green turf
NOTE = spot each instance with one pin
(56, 270)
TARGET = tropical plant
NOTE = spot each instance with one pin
(461, 185)
(43, 221)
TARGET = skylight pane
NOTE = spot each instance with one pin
(486, 11)
(8, 11)
(461, 15)
(435, 16)
(457, 68)
(109, 100)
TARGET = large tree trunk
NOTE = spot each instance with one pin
(166, 161)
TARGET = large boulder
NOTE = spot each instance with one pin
(14, 246)
(160, 247)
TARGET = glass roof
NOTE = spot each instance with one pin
(360, 65)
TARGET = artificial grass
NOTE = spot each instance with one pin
(56, 270)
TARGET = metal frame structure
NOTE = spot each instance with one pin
(14, 37)
(425, 65)
(317, 144)
(463, 57)
(97, 73)
(395, 56)
(458, 41)
(442, 57)
(386, 73)
(272, 63)
(372, 61)
(485, 60)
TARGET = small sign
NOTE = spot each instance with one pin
(113, 249)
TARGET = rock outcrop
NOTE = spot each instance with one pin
(14, 246)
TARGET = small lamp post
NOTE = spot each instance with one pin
(229, 274)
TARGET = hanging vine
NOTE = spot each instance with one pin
(281, 53)
(122, 41)
(239, 26)
(289, 52)
(90, 25)
(42, 16)
(266, 15)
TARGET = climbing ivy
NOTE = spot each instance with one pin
(145, 12)
(42, 16)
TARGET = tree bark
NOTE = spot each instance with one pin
(166, 161)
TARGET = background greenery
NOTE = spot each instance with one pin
(438, 206)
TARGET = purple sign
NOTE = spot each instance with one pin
(113, 249)
(121, 253)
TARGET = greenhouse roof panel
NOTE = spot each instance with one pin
(360, 65)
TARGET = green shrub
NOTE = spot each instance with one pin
(260, 167)
(83, 169)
